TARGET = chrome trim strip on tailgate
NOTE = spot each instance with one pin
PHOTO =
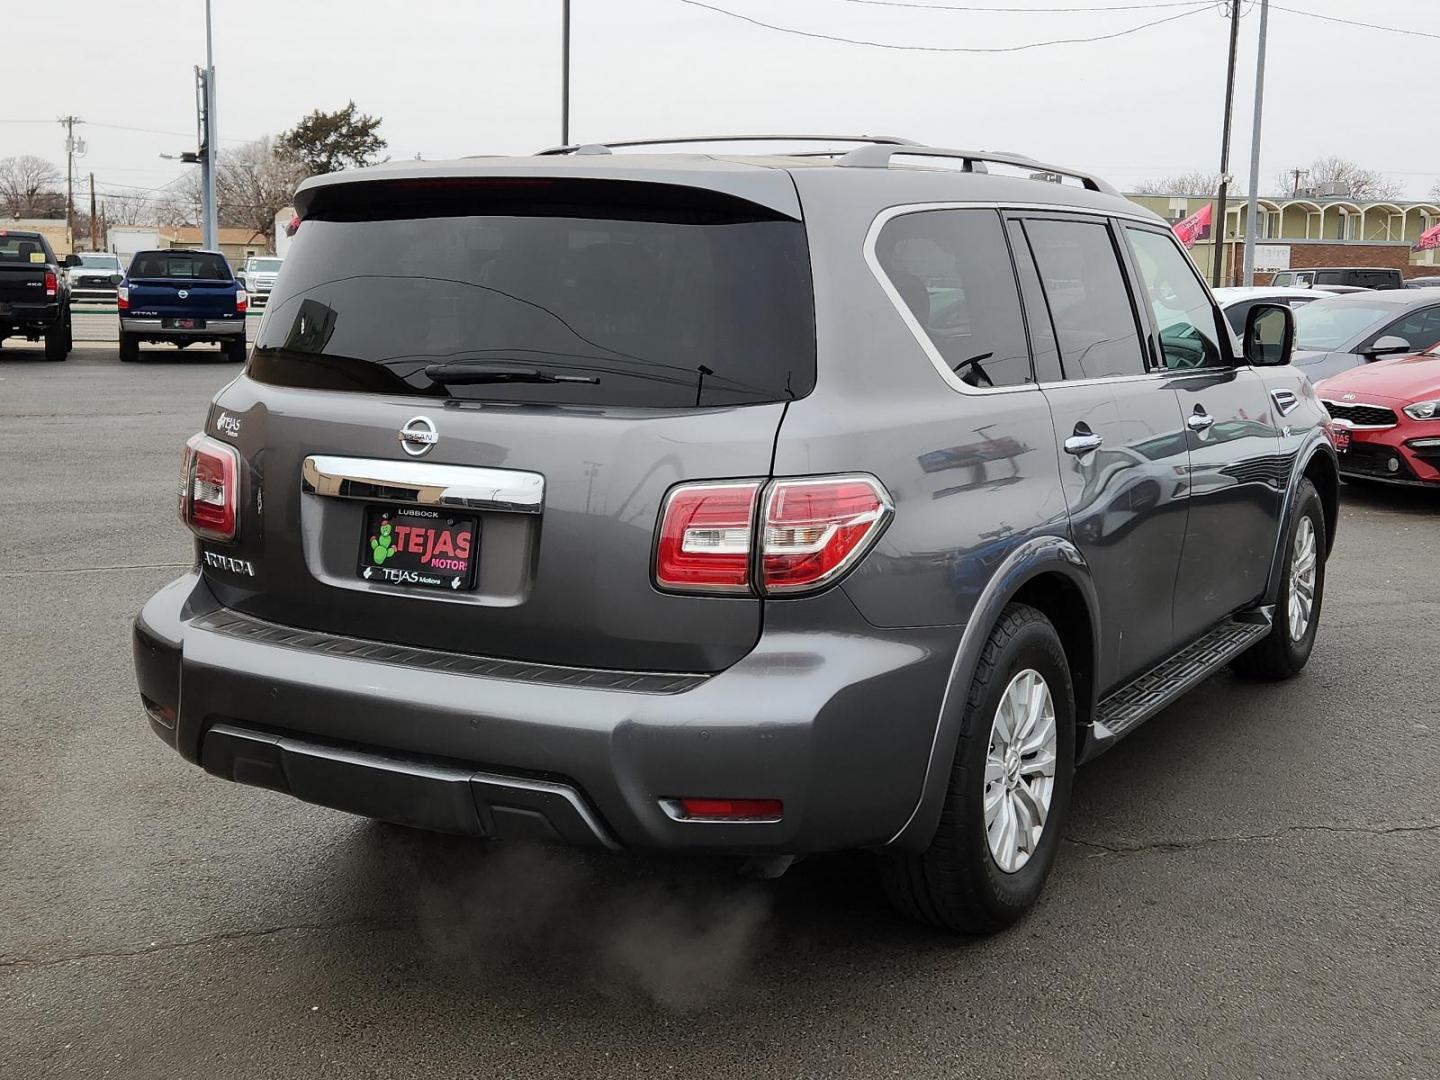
(419, 482)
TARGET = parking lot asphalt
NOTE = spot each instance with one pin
(1251, 885)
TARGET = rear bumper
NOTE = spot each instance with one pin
(837, 723)
(31, 316)
(214, 329)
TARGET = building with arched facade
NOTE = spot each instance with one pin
(1300, 231)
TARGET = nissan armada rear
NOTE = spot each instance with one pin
(742, 505)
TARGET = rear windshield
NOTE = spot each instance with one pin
(200, 265)
(22, 249)
(670, 307)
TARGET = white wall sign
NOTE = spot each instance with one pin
(1270, 257)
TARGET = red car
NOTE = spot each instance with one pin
(1387, 419)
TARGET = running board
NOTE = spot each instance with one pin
(1135, 702)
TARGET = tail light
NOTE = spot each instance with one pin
(52, 284)
(705, 534)
(812, 530)
(242, 301)
(122, 297)
(817, 529)
(209, 488)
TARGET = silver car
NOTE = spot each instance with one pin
(1343, 332)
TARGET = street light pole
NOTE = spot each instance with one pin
(564, 73)
(211, 141)
(1252, 211)
(1219, 225)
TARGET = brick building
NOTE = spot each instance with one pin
(1309, 231)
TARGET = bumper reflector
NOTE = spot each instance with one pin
(731, 809)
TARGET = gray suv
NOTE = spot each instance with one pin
(749, 505)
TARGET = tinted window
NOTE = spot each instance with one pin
(1045, 354)
(952, 269)
(1088, 298)
(1235, 314)
(693, 310)
(1184, 316)
(1331, 323)
(200, 265)
(1420, 328)
(23, 249)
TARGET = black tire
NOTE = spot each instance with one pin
(1279, 654)
(235, 349)
(57, 342)
(956, 883)
(129, 348)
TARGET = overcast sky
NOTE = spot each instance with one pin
(456, 77)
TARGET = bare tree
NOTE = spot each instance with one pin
(1435, 192)
(133, 208)
(254, 182)
(1190, 183)
(1365, 185)
(28, 185)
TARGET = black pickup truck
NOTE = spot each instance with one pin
(34, 294)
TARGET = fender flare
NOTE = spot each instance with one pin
(1317, 443)
(1029, 559)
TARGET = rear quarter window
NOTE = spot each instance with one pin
(952, 270)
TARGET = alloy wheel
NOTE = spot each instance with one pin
(1303, 572)
(1019, 770)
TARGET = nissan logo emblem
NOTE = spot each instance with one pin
(183, 293)
(418, 436)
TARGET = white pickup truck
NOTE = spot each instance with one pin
(258, 277)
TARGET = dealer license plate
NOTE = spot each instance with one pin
(418, 548)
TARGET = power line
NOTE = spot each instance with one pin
(944, 48)
(1029, 10)
(1355, 22)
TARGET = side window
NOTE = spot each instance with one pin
(1282, 279)
(1088, 299)
(1184, 315)
(1420, 328)
(1235, 315)
(952, 269)
(1042, 335)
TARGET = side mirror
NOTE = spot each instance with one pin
(1269, 335)
(1388, 345)
(115, 279)
(70, 260)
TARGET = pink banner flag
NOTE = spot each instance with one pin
(1193, 228)
(1430, 238)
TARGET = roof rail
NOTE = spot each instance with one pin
(878, 157)
(607, 147)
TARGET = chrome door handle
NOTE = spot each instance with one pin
(1082, 443)
(1199, 420)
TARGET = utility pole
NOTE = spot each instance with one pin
(1219, 226)
(68, 123)
(1252, 209)
(93, 242)
(564, 73)
(210, 140)
(1297, 174)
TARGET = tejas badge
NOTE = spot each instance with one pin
(418, 436)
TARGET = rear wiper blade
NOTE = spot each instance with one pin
(476, 372)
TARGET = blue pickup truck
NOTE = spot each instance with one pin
(181, 296)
